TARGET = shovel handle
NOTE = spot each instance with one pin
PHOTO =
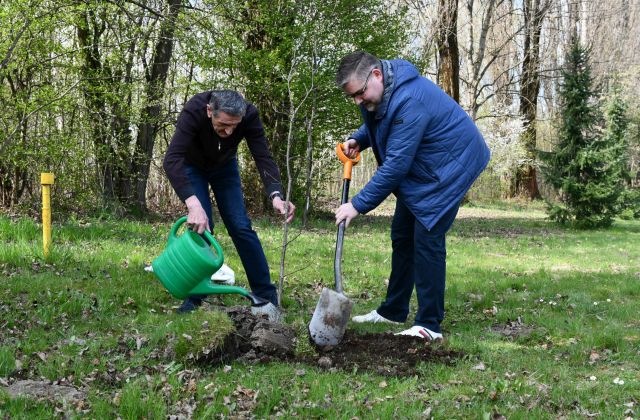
(346, 161)
(337, 262)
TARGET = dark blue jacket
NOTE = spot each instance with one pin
(428, 149)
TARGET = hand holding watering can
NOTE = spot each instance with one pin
(188, 261)
(186, 265)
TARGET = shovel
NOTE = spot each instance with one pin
(331, 316)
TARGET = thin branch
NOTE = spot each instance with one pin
(11, 134)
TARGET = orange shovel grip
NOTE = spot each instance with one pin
(346, 161)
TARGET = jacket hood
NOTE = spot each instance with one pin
(396, 73)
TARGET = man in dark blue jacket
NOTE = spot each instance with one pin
(429, 153)
(203, 153)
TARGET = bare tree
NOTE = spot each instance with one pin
(294, 108)
(489, 58)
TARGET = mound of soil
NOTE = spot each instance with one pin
(257, 340)
(385, 354)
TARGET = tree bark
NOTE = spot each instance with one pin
(154, 92)
(88, 32)
(448, 54)
(526, 183)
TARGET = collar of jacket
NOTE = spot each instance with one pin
(387, 72)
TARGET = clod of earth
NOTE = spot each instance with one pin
(257, 339)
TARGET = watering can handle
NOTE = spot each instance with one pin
(174, 231)
(346, 161)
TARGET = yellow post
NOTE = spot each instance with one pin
(46, 179)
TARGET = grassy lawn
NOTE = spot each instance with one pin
(547, 318)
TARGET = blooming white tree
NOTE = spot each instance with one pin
(502, 136)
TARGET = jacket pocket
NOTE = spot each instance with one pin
(420, 171)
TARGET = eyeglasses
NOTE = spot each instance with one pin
(360, 92)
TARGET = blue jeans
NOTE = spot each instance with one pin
(418, 258)
(227, 190)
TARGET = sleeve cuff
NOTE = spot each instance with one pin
(358, 206)
(275, 187)
(185, 193)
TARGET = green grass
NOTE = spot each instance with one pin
(91, 316)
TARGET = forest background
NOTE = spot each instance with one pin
(90, 90)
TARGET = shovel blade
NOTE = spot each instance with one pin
(330, 318)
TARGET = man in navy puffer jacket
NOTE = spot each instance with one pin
(429, 153)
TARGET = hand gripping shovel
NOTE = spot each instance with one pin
(330, 318)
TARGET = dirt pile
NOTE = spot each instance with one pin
(257, 340)
(385, 354)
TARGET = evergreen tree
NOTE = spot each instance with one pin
(616, 134)
(630, 200)
(586, 167)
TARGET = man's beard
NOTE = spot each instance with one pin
(370, 106)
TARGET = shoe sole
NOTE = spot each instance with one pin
(428, 336)
(384, 321)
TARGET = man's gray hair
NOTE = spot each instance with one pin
(227, 101)
(356, 65)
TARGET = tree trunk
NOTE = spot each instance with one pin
(526, 183)
(94, 91)
(448, 54)
(154, 92)
(309, 162)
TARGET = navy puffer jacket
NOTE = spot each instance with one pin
(428, 149)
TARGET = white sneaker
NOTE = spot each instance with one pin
(374, 317)
(224, 276)
(422, 332)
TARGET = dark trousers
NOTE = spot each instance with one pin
(227, 190)
(418, 258)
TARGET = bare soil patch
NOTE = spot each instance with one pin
(512, 329)
(257, 340)
(385, 354)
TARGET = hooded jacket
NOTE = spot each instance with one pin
(429, 151)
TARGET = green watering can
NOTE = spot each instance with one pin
(187, 263)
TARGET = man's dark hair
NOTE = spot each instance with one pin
(227, 101)
(356, 65)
